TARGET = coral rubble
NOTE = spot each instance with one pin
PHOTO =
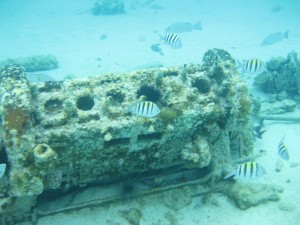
(247, 195)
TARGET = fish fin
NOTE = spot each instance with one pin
(257, 127)
(286, 34)
(282, 138)
(161, 37)
(240, 65)
(197, 26)
(130, 109)
(230, 174)
(260, 120)
(260, 133)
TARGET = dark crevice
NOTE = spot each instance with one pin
(85, 102)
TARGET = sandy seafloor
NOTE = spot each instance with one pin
(68, 30)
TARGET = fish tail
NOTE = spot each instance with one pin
(129, 109)
(286, 34)
(239, 64)
(161, 37)
(197, 26)
(230, 174)
(260, 133)
(282, 139)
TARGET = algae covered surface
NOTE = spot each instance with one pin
(33, 63)
(61, 135)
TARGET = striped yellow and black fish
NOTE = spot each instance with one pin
(282, 150)
(253, 65)
(146, 109)
(172, 40)
(247, 170)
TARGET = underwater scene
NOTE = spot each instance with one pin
(149, 112)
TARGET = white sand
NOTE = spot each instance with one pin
(68, 30)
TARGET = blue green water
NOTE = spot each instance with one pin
(70, 31)
(87, 40)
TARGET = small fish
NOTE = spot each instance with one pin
(257, 132)
(247, 170)
(253, 65)
(276, 37)
(182, 27)
(257, 127)
(282, 150)
(146, 109)
(172, 40)
(157, 48)
(103, 37)
(276, 8)
(2, 169)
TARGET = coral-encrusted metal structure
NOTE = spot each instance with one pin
(60, 135)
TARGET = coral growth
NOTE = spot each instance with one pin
(282, 75)
(13, 71)
(216, 56)
(24, 184)
(54, 179)
(16, 97)
(33, 63)
(15, 118)
(44, 154)
(77, 132)
(197, 153)
(169, 115)
(108, 7)
(247, 195)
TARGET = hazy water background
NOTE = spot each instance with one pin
(69, 30)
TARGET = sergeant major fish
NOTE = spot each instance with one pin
(282, 150)
(276, 37)
(172, 40)
(252, 66)
(182, 27)
(247, 170)
(146, 109)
